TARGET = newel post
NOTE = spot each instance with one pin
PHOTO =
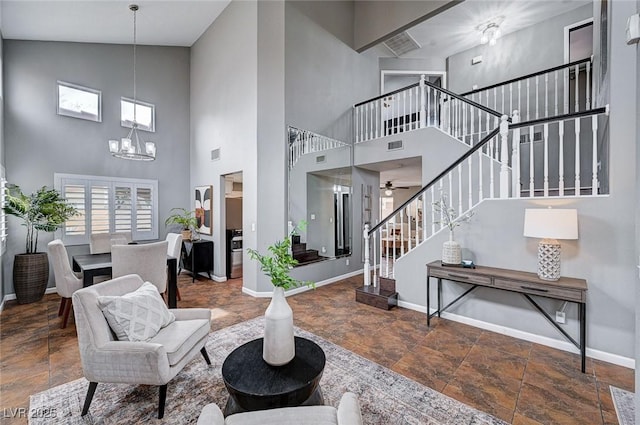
(423, 102)
(365, 236)
(504, 157)
(515, 156)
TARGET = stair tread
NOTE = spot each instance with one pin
(376, 291)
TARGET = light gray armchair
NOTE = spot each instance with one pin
(347, 413)
(156, 362)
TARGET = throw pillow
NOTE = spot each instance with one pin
(138, 315)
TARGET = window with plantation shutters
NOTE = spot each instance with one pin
(109, 205)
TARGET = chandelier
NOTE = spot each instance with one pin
(129, 147)
(490, 31)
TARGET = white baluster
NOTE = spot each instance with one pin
(594, 155)
(504, 157)
(566, 90)
(480, 172)
(531, 177)
(366, 122)
(365, 236)
(470, 183)
(402, 214)
(417, 106)
(459, 189)
(561, 158)
(546, 95)
(429, 106)
(519, 94)
(537, 92)
(423, 117)
(410, 119)
(433, 211)
(515, 156)
(511, 96)
(377, 257)
(556, 92)
(471, 124)
(528, 103)
(358, 133)
(491, 176)
(424, 215)
(587, 91)
(546, 159)
(577, 161)
(577, 71)
(404, 110)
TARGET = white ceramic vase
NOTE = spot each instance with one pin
(451, 252)
(279, 346)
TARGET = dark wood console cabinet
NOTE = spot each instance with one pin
(197, 257)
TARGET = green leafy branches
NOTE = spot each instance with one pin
(45, 210)
(279, 263)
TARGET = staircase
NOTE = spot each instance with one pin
(555, 152)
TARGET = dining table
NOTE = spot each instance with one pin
(92, 265)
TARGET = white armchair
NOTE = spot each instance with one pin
(107, 360)
(149, 261)
(347, 413)
(66, 281)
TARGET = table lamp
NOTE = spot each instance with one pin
(550, 225)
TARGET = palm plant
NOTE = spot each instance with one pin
(44, 210)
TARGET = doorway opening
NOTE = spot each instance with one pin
(233, 224)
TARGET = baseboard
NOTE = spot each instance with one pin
(301, 289)
(218, 278)
(527, 336)
(11, 297)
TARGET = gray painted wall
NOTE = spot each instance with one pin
(324, 77)
(637, 246)
(2, 290)
(515, 54)
(39, 143)
(224, 116)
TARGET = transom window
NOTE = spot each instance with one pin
(109, 205)
(79, 102)
(145, 114)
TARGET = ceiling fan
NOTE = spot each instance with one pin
(389, 188)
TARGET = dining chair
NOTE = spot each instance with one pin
(174, 249)
(149, 261)
(99, 243)
(66, 280)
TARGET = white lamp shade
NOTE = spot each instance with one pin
(551, 223)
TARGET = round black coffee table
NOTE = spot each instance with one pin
(255, 385)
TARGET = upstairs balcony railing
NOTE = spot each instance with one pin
(422, 105)
(302, 142)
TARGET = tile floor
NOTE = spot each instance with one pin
(518, 381)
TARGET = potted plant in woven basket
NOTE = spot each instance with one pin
(44, 210)
(279, 344)
(447, 216)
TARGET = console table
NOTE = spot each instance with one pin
(197, 257)
(528, 284)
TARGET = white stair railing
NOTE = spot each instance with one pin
(504, 164)
(302, 142)
(422, 105)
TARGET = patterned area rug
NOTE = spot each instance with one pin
(625, 407)
(385, 396)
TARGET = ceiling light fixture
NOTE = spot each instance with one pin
(129, 147)
(490, 31)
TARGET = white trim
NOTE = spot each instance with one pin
(301, 289)
(385, 72)
(10, 297)
(527, 336)
(568, 29)
(218, 278)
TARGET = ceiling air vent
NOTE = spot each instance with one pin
(401, 43)
(215, 154)
(320, 158)
(395, 145)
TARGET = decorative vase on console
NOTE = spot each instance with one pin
(279, 344)
(451, 251)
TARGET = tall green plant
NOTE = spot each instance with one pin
(278, 265)
(44, 210)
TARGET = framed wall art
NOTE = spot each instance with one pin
(204, 209)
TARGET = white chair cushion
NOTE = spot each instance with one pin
(180, 337)
(138, 315)
(304, 415)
